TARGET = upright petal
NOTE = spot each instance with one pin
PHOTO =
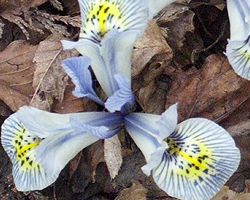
(78, 70)
(100, 16)
(200, 159)
(156, 6)
(111, 58)
(143, 129)
(121, 97)
(168, 121)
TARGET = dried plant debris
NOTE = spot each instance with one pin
(50, 80)
(31, 20)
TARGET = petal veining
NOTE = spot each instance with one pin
(100, 16)
(200, 159)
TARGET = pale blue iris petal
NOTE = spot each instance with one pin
(239, 18)
(156, 6)
(113, 56)
(199, 161)
(102, 128)
(238, 54)
(144, 131)
(155, 160)
(168, 121)
(92, 50)
(122, 96)
(117, 50)
(55, 151)
(78, 70)
(42, 123)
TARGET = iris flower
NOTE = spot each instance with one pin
(40, 143)
(238, 47)
(191, 160)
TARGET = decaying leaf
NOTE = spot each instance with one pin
(151, 43)
(213, 92)
(16, 74)
(226, 194)
(135, 192)
(113, 155)
(50, 80)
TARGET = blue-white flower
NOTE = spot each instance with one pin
(191, 160)
(238, 48)
(40, 143)
(109, 30)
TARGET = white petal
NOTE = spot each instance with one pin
(200, 159)
(238, 53)
(20, 146)
(239, 18)
(144, 131)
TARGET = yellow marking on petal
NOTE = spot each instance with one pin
(24, 145)
(194, 161)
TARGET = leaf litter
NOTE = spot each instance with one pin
(178, 59)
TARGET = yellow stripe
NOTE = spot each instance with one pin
(27, 147)
(101, 18)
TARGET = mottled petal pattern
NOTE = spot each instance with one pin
(100, 16)
(200, 159)
(20, 146)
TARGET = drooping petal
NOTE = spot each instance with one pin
(20, 144)
(143, 129)
(121, 97)
(40, 143)
(78, 70)
(156, 6)
(200, 159)
(238, 54)
(100, 16)
(237, 50)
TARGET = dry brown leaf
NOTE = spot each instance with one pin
(226, 194)
(213, 92)
(150, 44)
(16, 74)
(113, 155)
(50, 80)
(135, 192)
(96, 156)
